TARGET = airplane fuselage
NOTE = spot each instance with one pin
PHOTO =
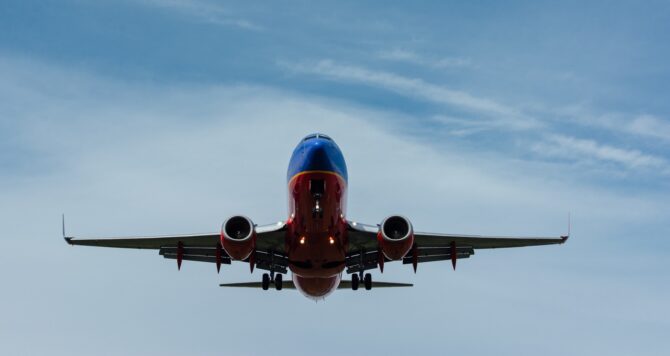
(317, 199)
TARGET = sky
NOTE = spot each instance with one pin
(157, 117)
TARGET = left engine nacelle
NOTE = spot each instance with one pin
(395, 237)
(238, 237)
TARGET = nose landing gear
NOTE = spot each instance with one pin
(317, 211)
(317, 187)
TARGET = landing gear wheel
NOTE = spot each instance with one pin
(265, 283)
(278, 282)
(354, 281)
(368, 281)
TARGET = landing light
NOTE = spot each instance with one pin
(302, 240)
(331, 240)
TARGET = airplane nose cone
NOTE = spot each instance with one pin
(317, 153)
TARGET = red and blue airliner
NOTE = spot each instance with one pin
(316, 242)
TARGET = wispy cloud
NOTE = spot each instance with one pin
(648, 126)
(581, 150)
(486, 115)
(205, 11)
(403, 55)
(458, 126)
(489, 114)
(419, 89)
(652, 126)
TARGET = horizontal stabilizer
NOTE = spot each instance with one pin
(290, 285)
(347, 285)
(285, 285)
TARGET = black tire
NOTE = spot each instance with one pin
(354, 281)
(368, 281)
(278, 282)
(265, 283)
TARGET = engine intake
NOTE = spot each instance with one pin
(395, 237)
(238, 237)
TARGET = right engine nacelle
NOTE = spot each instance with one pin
(238, 237)
(395, 237)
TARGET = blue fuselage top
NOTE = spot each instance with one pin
(317, 152)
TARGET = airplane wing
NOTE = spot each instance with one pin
(270, 247)
(428, 247)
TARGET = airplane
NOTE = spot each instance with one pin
(316, 242)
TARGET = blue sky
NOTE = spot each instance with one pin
(155, 117)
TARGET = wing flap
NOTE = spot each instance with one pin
(198, 251)
(483, 242)
(361, 261)
(147, 242)
(197, 258)
(433, 258)
(271, 261)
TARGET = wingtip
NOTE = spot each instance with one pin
(67, 239)
(565, 238)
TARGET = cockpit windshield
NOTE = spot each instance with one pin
(317, 135)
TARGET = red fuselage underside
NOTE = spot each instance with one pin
(317, 242)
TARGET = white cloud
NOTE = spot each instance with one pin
(459, 126)
(649, 125)
(204, 11)
(490, 115)
(418, 88)
(581, 149)
(402, 55)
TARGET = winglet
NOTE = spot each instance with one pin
(566, 237)
(67, 239)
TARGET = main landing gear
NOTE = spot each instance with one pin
(270, 278)
(356, 280)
